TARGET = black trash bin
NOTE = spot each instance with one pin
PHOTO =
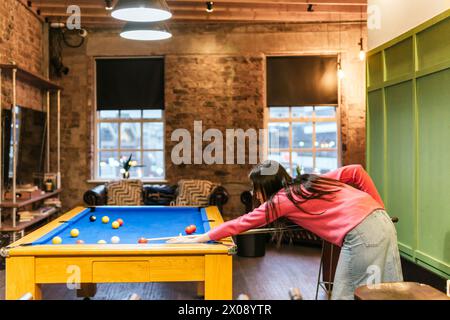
(251, 245)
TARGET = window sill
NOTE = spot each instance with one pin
(100, 181)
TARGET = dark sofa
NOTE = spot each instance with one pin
(154, 195)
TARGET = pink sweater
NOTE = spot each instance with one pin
(347, 208)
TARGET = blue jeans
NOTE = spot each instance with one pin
(369, 255)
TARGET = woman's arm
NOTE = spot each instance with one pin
(251, 220)
(356, 176)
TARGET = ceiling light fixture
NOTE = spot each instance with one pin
(341, 73)
(362, 53)
(109, 5)
(141, 10)
(209, 6)
(145, 31)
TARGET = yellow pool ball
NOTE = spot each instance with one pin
(115, 225)
(56, 240)
(101, 241)
(74, 233)
(105, 219)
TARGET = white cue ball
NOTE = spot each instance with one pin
(115, 239)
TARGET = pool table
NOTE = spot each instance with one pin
(35, 260)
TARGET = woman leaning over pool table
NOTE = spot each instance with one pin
(342, 207)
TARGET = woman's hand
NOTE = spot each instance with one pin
(190, 239)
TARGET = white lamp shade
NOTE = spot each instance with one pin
(145, 31)
(141, 10)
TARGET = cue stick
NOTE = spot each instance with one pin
(251, 231)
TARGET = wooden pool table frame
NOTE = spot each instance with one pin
(27, 267)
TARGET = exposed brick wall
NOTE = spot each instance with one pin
(224, 92)
(214, 73)
(22, 42)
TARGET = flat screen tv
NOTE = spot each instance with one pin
(31, 127)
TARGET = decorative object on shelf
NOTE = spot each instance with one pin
(48, 185)
(50, 182)
(127, 165)
(53, 202)
(24, 192)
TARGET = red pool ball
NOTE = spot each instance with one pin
(142, 240)
(190, 229)
(120, 221)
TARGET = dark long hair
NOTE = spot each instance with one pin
(269, 177)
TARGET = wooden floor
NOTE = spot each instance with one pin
(265, 278)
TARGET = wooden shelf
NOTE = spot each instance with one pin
(31, 78)
(7, 225)
(23, 203)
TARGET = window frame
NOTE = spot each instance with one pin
(313, 120)
(94, 175)
(120, 150)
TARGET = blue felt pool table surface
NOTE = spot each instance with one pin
(147, 222)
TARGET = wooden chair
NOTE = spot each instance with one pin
(399, 291)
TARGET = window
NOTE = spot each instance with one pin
(121, 133)
(129, 117)
(307, 138)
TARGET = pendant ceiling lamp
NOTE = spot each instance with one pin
(145, 31)
(141, 10)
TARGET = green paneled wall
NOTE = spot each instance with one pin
(399, 59)
(408, 138)
(376, 133)
(400, 161)
(433, 102)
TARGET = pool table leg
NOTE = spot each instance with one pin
(218, 277)
(21, 278)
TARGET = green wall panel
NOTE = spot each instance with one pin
(376, 138)
(433, 97)
(375, 64)
(399, 59)
(400, 159)
(408, 145)
(433, 45)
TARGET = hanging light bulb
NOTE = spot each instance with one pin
(209, 6)
(108, 5)
(362, 53)
(341, 73)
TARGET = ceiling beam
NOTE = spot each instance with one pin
(224, 10)
(231, 16)
(99, 12)
(101, 3)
